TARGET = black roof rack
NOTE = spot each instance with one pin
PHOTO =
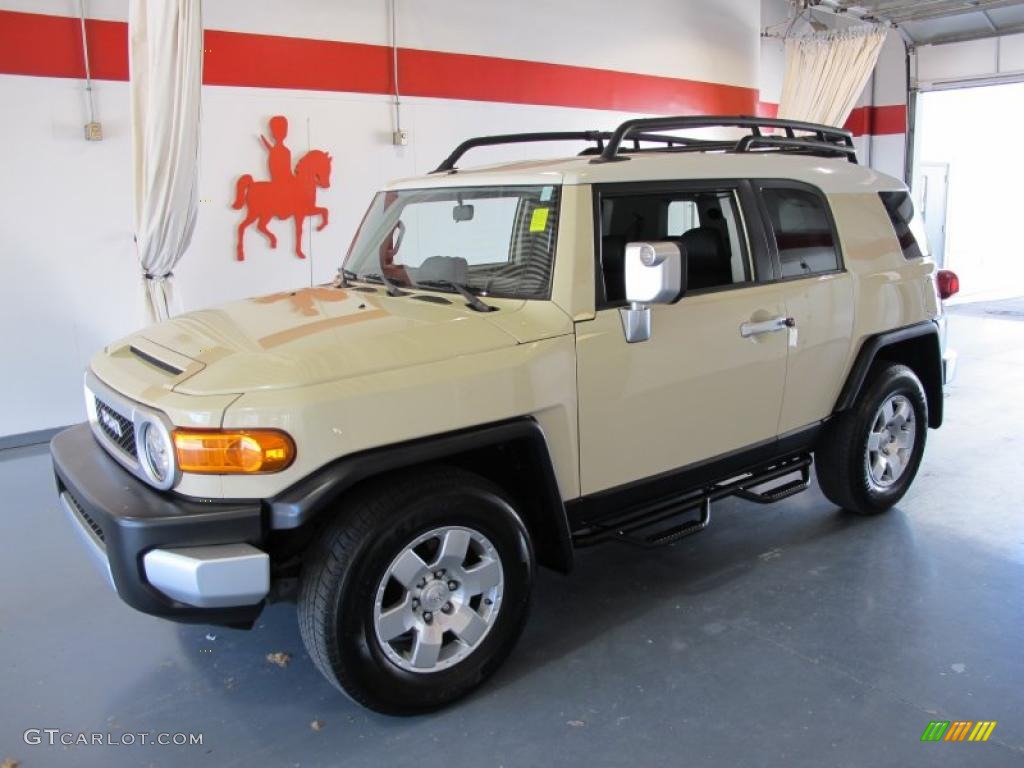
(598, 137)
(824, 140)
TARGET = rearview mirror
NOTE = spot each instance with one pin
(462, 212)
(655, 274)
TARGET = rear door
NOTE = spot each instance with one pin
(710, 379)
(818, 295)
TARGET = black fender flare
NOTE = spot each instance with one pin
(303, 502)
(928, 365)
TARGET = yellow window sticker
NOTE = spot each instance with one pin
(539, 220)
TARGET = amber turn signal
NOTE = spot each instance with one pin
(223, 452)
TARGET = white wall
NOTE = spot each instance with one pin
(69, 282)
(995, 58)
(887, 152)
(66, 286)
(773, 51)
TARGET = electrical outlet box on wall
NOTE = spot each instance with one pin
(94, 132)
(400, 138)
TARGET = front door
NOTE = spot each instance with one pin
(710, 379)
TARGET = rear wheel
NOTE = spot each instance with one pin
(870, 454)
(418, 591)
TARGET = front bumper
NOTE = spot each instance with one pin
(177, 558)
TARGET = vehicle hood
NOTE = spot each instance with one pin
(315, 335)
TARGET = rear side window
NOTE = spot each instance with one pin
(803, 231)
(900, 208)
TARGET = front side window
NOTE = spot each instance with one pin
(900, 208)
(495, 241)
(803, 232)
(706, 224)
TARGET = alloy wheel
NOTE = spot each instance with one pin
(438, 599)
(890, 441)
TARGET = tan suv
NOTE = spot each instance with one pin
(515, 361)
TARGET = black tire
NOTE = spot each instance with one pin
(840, 457)
(344, 567)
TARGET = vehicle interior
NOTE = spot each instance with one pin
(498, 243)
(705, 225)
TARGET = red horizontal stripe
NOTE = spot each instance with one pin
(270, 61)
(878, 121)
(50, 46)
(485, 78)
(863, 121)
(889, 119)
(859, 121)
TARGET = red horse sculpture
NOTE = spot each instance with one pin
(290, 197)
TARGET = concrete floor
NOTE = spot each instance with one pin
(788, 635)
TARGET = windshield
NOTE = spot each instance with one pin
(495, 241)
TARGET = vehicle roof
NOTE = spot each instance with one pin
(831, 175)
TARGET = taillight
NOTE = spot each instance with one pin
(949, 283)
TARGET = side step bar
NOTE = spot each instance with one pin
(657, 524)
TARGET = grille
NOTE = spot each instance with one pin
(85, 517)
(119, 430)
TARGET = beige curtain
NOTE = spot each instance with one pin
(826, 74)
(165, 50)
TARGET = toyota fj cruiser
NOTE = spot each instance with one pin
(515, 361)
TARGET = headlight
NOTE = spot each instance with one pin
(229, 452)
(156, 454)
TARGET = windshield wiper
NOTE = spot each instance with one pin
(380, 277)
(471, 298)
(344, 275)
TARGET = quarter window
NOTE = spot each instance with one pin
(900, 208)
(803, 232)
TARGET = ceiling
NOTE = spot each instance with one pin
(926, 22)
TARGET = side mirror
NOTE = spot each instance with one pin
(655, 274)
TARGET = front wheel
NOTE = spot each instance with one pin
(418, 591)
(870, 454)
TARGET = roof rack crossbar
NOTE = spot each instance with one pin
(810, 146)
(677, 145)
(825, 138)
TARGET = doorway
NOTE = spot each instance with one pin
(967, 180)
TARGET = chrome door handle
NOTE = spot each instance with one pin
(766, 326)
